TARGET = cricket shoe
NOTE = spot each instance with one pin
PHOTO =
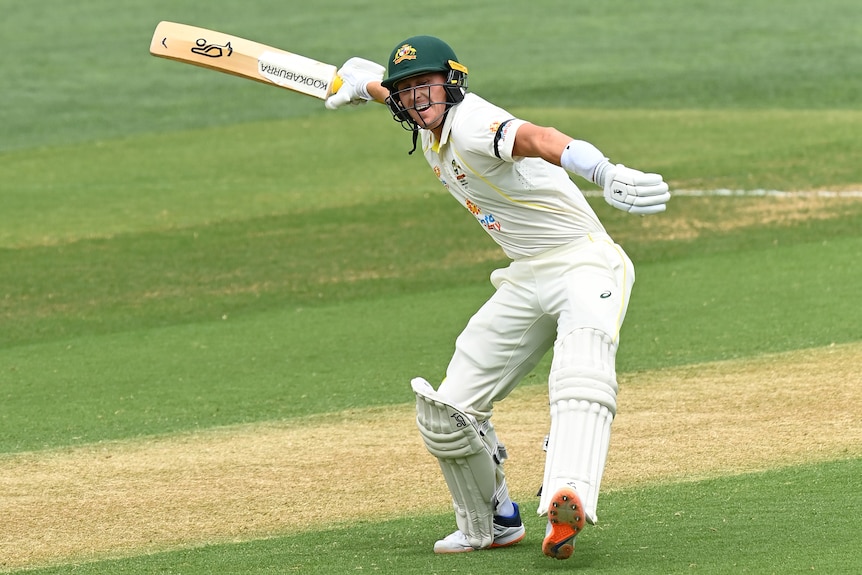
(507, 531)
(566, 518)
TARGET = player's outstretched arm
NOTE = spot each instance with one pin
(626, 189)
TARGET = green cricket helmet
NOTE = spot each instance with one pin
(421, 54)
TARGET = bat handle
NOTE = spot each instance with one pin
(337, 82)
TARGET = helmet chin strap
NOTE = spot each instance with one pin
(415, 138)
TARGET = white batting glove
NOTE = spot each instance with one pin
(355, 74)
(631, 190)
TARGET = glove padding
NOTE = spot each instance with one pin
(634, 191)
(355, 74)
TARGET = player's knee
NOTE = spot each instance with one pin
(583, 369)
(447, 431)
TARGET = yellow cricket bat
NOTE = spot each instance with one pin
(244, 58)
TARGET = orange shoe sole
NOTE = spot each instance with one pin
(566, 517)
(496, 545)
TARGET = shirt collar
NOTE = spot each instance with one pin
(447, 127)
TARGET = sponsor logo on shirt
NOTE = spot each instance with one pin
(505, 131)
(460, 176)
(486, 220)
(439, 174)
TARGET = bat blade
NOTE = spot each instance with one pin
(234, 55)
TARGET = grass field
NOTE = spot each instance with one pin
(213, 294)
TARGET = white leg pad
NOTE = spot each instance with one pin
(582, 392)
(468, 463)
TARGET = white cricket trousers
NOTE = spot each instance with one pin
(539, 300)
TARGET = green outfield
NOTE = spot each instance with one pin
(214, 293)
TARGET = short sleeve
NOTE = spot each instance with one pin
(504, 139)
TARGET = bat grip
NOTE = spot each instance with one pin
(337, 82)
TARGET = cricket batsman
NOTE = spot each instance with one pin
(567, 288)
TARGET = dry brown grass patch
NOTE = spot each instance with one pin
(254, 481)
(719, 214)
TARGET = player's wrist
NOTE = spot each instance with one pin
(376, 91)
(582, 158)
(601, 172)
(361, 90)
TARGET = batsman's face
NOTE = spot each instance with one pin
(424, 98)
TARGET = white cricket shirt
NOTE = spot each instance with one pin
(526, 204)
